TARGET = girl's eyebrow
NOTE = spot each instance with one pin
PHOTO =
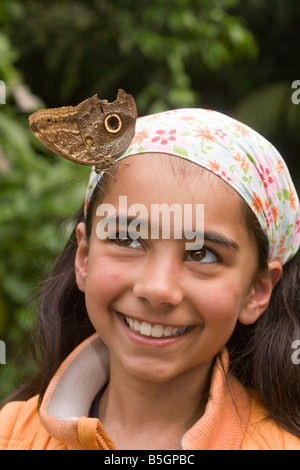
(210, 236)
(220, 239)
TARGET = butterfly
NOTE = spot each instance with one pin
(95, 132)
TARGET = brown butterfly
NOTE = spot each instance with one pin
(95, 132)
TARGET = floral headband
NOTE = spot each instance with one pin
(237, 154)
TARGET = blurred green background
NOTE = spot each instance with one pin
(238, 57)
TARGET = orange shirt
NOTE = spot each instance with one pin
(234, 418)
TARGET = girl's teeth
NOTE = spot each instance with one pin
(145, 329)
(156, 331)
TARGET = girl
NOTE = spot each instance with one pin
(151, 344)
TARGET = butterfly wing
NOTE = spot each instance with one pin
(58, 130)
(95, 132)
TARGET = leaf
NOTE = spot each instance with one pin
(252, 160)
(286, 194)
(185, 133)
(180, 151)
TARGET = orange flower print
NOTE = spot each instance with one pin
(275, 213)
(187, 118)
(214, 166)
(244, 163)
(292, 198)
(282, 241)
(205, 133)
(140, 136)
(279, 166)
(237, 157)
(256, 203)
(239, 128)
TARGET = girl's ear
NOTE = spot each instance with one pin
(260, 293)
(81, 258)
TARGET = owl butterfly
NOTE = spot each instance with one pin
(95, 132)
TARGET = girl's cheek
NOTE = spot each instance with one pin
(104, 279)
(217, 302)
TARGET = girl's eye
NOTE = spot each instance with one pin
(202, 256)
(127, 242)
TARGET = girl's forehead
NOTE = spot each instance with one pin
(167, 172)
(155, 183)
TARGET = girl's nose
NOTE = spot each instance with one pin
(159, 283)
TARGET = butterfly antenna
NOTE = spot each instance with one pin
(79, 178)
(109, 174)
(101, 189)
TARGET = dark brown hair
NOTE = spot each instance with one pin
(261, 354)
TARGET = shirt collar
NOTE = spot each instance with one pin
(66, 403)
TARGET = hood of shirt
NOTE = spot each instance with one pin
(64, 411)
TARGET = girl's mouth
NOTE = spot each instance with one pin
(154, 330)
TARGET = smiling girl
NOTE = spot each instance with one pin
(151, 345)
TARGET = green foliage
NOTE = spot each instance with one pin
(37, 194)
(146, 47)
